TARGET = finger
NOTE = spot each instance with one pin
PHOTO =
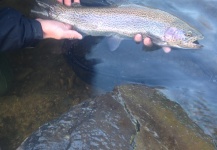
(67, 2)
(138, 38)
(71, 34)
(166, 49)
(60, 1)
(147, 42)
(76, 1)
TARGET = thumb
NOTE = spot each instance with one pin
(71, 34)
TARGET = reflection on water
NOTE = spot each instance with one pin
(187, 76)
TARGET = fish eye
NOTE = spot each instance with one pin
(188, 34)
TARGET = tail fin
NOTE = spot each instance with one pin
(42, 8)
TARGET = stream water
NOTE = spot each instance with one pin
(188, 77)
(47, 85)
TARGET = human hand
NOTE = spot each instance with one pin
(147, 42)
(137, 38)
(58, 30)
(68, 2)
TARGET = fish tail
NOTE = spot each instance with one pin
(42, 8)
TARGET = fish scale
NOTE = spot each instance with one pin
(126, 21)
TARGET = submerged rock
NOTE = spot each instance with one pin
(131, 117)
(162, 123)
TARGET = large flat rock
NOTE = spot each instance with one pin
(130, 117)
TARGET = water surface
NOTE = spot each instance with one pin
(45, 87)
(186, 76)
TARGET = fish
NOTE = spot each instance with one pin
(124, 21)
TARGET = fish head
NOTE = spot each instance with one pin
(183, 38)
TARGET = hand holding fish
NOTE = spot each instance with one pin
(121, 22)
(58, 30)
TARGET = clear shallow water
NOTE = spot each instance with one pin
(186, 76)
(198, 94)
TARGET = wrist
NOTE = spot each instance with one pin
(44, 28)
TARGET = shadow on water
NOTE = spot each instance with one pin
(44, 87)
(187, 76)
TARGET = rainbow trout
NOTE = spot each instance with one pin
(125, 21)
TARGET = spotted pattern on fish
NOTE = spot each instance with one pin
(128, 20)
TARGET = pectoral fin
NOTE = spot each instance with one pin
(113, 42)
(156, 40)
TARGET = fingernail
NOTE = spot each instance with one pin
(80, 37)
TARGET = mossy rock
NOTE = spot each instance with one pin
(132, 117)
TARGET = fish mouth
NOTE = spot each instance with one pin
(196, 45)
(193, 42)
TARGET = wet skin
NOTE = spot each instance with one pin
(67, 31)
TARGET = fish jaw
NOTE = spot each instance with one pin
(180, 39)
(193, 42)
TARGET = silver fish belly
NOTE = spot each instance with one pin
(126, 21)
